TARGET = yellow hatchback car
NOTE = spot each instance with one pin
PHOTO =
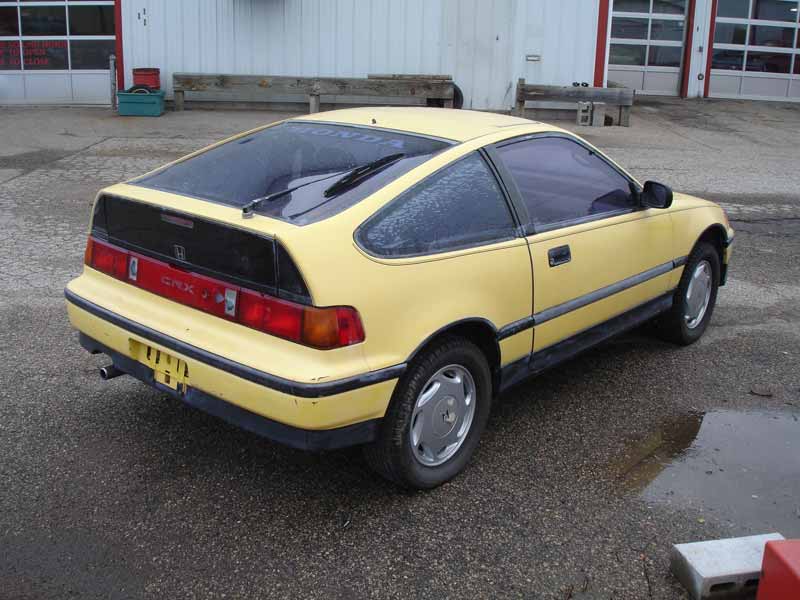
(378, 276)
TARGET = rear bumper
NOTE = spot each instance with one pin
(304, 439)
(309, 415)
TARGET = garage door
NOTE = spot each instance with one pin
(55, 52)
(646, 45)
(755, 53)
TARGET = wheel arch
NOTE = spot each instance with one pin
(717, 236)
(479, 331)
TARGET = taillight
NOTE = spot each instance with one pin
(108, 259)
(323, 328)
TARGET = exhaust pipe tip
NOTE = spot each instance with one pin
(110, 372)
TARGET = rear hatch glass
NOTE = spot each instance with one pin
(290, 154)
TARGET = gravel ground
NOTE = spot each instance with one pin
(111, 490)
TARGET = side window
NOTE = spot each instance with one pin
(560, 181)
(458, 207)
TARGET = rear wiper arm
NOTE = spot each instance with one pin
(357, 175)
(249, 208)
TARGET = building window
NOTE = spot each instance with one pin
(666, 30)
(647, 33)
(775, 10)
(636, 6)
(43, 20)
(9, 56)
(629, 29)
(737, 9)
(91, 20)
(665, 56)
(669, 7)
(626, 54)
(768, 62)
(763, 35)
(9, 23)
(757, 37)
(44, 55)
(91, 54)
(727, 60)
(730, 33)
(56, 36)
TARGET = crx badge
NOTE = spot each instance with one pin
(179, 251)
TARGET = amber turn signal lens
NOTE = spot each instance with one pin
(320, 328)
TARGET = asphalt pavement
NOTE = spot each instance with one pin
(111, 490)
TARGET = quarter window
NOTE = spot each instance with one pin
(458, 207)
(561, 181)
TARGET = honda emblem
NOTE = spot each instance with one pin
(180, 252)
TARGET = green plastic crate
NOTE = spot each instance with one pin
(140, 105)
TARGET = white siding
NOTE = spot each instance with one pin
(481, 43)
(564, 34)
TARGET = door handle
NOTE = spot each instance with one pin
(559, 256)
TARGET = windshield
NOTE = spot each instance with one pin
(290, 154)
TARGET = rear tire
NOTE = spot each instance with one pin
(694, 299)
(435, 419)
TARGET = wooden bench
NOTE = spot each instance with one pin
(561, 97)
(264, 88)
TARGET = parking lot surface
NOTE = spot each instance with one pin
(585, 475)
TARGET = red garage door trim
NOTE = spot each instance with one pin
(118, 49)
(687, 50)
(602, 41)
(710, 47)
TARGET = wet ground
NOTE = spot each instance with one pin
(739, 467)
(583, 480)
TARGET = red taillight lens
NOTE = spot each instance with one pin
(350, 329)
(108, 259)
(278, 317)
(323, 328)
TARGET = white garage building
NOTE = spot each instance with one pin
(56, 51)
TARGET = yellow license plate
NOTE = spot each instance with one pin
(168, 370)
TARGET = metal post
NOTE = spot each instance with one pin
(112, 70)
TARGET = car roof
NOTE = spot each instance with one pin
(451, 124)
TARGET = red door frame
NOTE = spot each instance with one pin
(118, 45)
(687, 50)
(602, 41)
(710, 49)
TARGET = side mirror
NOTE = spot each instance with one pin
(656, 195)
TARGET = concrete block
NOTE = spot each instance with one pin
(598, 114)
(720, 568)
(584, 113)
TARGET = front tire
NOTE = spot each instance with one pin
(437, 414)
(694, 299)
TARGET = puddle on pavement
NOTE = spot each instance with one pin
(740, 467)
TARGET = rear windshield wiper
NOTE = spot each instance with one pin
(249, 208)
(359, 174)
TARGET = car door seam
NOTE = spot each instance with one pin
(559, 310)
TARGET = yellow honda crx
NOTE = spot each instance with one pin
(378, 276)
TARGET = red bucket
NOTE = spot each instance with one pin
(149, 77)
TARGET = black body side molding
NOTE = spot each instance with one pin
(547, 358)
